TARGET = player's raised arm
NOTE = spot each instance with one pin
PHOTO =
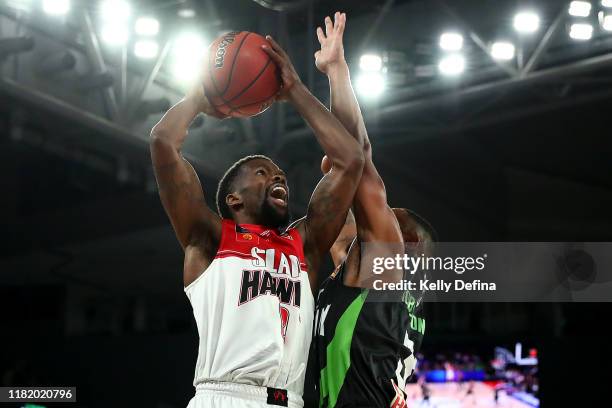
(334, 193)
(375, 220)
(179, 187)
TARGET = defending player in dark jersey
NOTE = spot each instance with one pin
(363, 346)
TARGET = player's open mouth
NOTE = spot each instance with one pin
(279, 194)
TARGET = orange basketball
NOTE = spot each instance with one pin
(241, 80)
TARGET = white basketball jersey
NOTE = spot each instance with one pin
(254, 310)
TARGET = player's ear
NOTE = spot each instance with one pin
(233, 201)
(326, 165)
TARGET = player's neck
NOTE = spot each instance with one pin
(241, 218)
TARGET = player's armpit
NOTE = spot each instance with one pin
(182, 197)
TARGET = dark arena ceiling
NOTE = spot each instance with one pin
(506, 150)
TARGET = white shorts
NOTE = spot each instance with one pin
(234, 395)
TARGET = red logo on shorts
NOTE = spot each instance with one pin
(277, 397)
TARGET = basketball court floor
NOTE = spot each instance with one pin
(455, 395)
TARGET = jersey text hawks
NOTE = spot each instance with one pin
(279, 279)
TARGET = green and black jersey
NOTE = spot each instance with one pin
(365, 346)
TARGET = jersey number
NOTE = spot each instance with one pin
(284, 315)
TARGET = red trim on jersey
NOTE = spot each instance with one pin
(233, 244)
(233, 256)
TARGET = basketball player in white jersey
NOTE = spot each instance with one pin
(248, 276)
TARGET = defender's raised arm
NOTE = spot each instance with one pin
(374, 218)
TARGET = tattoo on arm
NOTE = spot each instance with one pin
(171, 185)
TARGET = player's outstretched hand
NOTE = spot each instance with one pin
(331, 53)
(289, 75)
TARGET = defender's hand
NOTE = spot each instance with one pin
(331, 53)
(289, 75)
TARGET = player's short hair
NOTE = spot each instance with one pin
(226, 183)
(423, 223)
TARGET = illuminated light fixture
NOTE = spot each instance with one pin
(188, 50)
(114, 34)
(579, 8)
(502, 50)
(370, 62)
(56, 7)
(606, 22)
(370, 84)
(526, 22)
(606, 3)
(146, 49)
(146, 26)
(451, 41)
(452, 65)
(186, 13)
(116, 10)
(581, 31)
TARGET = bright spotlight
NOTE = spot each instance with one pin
(502, 50)
(189, 50)
(186, 13)
(452, 65)
(579, 8)
(606, 22)
(114, 34)
(56, 7)
(189, 44)
(146, 49)
(451, 41)
(147, 26)
(116, 10)
(526, 22)
(370, 62)
(581, 31)
(606, 3)
(370, 84)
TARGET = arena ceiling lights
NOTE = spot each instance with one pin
(581, 31)
(370, 62)
(526, 22)
(188, 51)
(371, 82)
(451, 41)
(530, 33)
(503, 50)
(146, 49)
(579, 9)
(56, 7)
(452, 65)
(146, 26)
(118, 10)
(114, 16)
